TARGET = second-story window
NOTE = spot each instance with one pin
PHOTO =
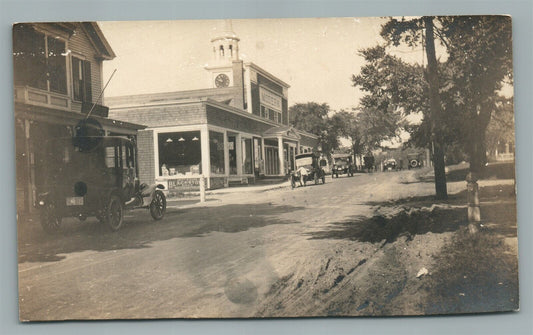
(39, 59)
(81, 80)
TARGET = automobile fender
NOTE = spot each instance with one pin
(148, 191)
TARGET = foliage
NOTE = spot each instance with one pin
(501, 125)
(478, 63)
(313, 118)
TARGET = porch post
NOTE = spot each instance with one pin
(226, 154)
(263, 158)
(206, 161)
(238, 149)
(281, 157)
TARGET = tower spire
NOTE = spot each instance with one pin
(226, 45)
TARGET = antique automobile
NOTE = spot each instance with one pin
(390, 165)
(307, 168)
(342, 164)
(414, 161)
(94, 176)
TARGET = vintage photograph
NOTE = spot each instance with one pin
(265, 168)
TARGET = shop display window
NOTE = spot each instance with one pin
(216, 152)
(180, 153)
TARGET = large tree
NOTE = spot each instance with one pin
(393, 89)
(463, 91)
(411, 32)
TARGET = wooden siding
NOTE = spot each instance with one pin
(145, 156)
(256, 108)
(270, 84)
(162, 116)
(222, 118)
(79, 43)
(284, 112)
(308, 141)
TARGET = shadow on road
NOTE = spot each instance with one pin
(380, 228)
(140, 231)
(424, 214)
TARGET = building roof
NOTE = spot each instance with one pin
(267, 74)
(98, 39)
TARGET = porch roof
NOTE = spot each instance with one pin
(286, 132)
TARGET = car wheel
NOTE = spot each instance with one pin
(114, 215)
(158, 206)
(50, 221)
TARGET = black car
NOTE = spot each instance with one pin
(390, 165)
(95, 176)
(342, 164)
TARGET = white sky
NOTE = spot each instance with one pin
(316, 57)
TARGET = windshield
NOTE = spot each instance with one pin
(342, 160)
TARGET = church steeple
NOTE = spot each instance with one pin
(225, 45)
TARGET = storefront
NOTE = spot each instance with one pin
(220, 145)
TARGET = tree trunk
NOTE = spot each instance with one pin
(435, 112)
(478, 158)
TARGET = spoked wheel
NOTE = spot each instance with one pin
(158, 206)
(50, 221)
(114, 215)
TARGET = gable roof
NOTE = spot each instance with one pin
(98, 39)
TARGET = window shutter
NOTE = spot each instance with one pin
(87, 81)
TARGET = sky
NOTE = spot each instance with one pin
(316, 57)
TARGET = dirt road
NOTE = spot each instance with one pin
(348, 247)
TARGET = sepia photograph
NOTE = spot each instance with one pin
(265, 168)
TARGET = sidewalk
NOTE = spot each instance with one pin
(192, 199)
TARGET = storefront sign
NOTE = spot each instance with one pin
(270, 99)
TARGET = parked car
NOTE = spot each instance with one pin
(414, 161)
(342, 164)
(390, 165)
(307, 168)
(95, 176)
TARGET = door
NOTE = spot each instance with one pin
(271, 161)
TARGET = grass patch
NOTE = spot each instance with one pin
(475, 273)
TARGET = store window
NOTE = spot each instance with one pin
(39, 59)
(247, 156)
(216, 152)
(180, 153)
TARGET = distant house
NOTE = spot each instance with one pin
(233, 132)
(57, 81)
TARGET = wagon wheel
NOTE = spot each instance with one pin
(158, 206)
(114, 215)
(50, 221)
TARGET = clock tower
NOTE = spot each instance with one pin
(225, 52)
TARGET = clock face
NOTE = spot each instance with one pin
(222, 80)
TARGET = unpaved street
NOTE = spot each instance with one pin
(311, 251)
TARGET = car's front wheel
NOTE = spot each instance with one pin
(158, 206)
(50, 221)
(114, 215)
